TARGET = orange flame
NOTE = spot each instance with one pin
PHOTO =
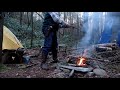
(81, 61)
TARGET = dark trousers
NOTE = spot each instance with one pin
(50, 45)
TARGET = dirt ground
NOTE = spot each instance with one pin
(21, 71)
(34, 71)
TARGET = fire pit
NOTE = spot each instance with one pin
(89, 62)
(84, 64)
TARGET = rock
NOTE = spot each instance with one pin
(57, 73)
(116, 75)
(57, 70)
(90, 74)
(22, 66)
(17, 74)
(28, 76)
(60, 75)
(100, 72)
(54, 65)
(65, 70)
(34, 75)
(93, 64)
(106, 60)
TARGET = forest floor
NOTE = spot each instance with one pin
(112, 68)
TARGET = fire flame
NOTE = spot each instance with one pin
(81, 61)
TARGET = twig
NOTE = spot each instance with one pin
(71, 73)
(40, 15)
(26, 66)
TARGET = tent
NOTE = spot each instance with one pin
(10, 41)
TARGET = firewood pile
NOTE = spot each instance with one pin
(92, 63)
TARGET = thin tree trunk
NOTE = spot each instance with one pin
(21, 18)
(1, 33)
(32, 29)
(77, 25)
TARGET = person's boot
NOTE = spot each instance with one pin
(54, 56)
(43, 63)
(55, 61)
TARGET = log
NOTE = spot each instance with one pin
(107, 44)
(106, 47)
(81, 69)
(73, 60)
(99, 53)
(73, 49)
(101, 49)
(72, 64)
(111, 45)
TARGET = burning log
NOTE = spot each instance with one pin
(73, 60)
(80, 60)
(81, 69)
(72, 64)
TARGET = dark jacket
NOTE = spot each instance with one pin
(48, 21)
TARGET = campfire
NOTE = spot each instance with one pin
(85, 63)
(81, 61)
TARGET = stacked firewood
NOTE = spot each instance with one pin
(106, 47)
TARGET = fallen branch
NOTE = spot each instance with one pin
(81, 69)
(107, 45)
(108, 52)
(72, 64)
(102, 48)
(26, 66)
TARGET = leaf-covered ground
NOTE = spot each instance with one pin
(21, 71)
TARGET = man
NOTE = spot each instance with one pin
(51, 24)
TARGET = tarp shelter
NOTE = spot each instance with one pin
(10, 41)
(118, 39)
(107, 33)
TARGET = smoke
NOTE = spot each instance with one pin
(88, 28)
(99, 27)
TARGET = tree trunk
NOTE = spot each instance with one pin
(77, 25)
(32, 29)
(1, 33)
(21, 19)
